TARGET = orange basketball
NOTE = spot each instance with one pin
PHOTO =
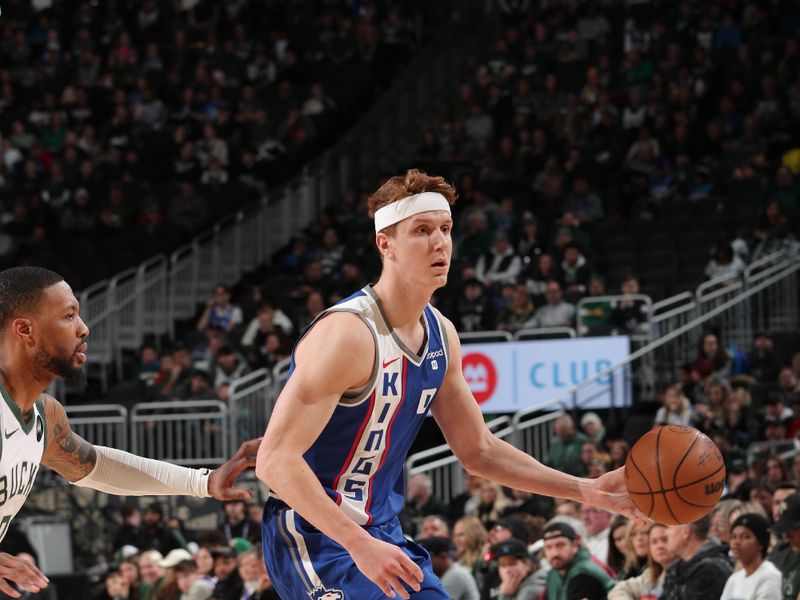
(675, 474)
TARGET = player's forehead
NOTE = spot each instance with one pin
(60, 296)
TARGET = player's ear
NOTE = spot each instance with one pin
(22, 328)
(383, 243)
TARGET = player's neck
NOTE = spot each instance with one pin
(402, 305)
(22, 387)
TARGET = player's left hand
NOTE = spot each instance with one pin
(221, 480)
(609, 492)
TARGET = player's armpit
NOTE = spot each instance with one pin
(67, 453)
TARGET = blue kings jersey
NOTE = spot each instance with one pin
(360, 454)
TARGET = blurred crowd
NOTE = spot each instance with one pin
(128, 127)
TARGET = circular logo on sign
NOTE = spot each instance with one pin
(480, 374)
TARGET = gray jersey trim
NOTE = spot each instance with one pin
(415, 358)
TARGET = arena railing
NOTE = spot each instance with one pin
(443, 467)
(250, 405)
(187, 432)
(101, 424)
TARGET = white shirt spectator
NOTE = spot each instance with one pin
(763, 584)
(598, 544)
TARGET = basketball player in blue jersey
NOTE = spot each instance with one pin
(43, 337)
(365, 374)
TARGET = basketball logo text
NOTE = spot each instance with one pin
(714, 488)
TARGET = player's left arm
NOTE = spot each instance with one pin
(122, 473)
(483, 454)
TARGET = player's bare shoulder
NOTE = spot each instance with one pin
(66, 452)
(339, 347)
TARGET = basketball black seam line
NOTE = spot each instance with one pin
(660, 479)
(678, 494)
(652, 494)
(680, 464)
(685, 485)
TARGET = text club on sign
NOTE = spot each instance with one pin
(481, 375)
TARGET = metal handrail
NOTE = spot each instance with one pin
(667, 337)
(544, 332)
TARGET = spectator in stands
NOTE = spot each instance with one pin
(782, 491)
(477, 238)
(130, 532)
(776, 472)
(531, 243)
(593, 427)
(583, 203)
(205, 562)
(229, 367)
(557, 312)
(650, 583)
(573, 573)
(229, 585)
(491, 503)
(469, 539)
(724, 262)
(518, 313)
(520, 578)
(456, 579)
(116, 586)
(420, 503)
(500, 265)
(433, 526)
(591, 452)
(788, 382)
(576, 271)
(190, 582)
(749, 544)
(597, 523)
(629, 314)
(616, 546)
(219, 312)
(156, 535)
(702, 566)
(712, 359)
(200, 386)
(522, 502)
(565, 446)
(472, 310)
(331, 252)
(174, 382)
(152, 575)
(544, 270)
(312, 308)
(237, 523)
(596, 315)
(764, 363)
(636, 550)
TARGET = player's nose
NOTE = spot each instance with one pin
(83, 329)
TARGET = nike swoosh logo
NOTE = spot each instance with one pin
(387, 363)
(8, 435)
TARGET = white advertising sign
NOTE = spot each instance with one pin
(510, 376)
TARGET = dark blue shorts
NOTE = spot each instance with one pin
(304, 563)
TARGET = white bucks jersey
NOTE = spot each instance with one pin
(21, 447)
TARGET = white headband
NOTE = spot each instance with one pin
(408, 207)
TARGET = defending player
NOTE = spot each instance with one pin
(364, 377)
(43, 337)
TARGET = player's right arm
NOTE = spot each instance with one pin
(326, 365)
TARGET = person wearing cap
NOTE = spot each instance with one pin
(501, 530)
(788, 559)
(573, 574)
(500, 264)
(758, 579)
(703, 565)
(593, 427)
(229, 584)
(152, 575)
(456, 579)
(363, 379)
(174, 557)
(520, 578)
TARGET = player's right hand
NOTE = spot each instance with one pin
(21, 572)
(388, 567)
